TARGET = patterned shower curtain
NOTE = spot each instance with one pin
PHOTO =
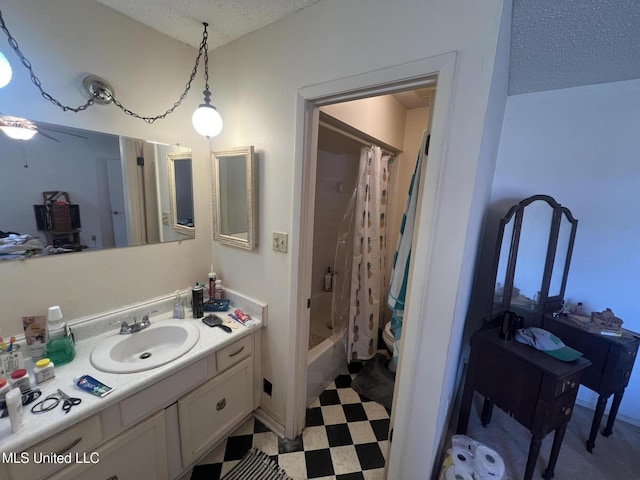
(369, 257)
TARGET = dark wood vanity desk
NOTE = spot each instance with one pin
(535, 389)
(612, 360)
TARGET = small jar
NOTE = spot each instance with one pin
(44, 371)
(20, 379)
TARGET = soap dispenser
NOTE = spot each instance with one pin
(60, 344)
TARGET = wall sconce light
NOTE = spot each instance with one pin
(5, 71)
(206, 119)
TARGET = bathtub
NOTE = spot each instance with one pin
(328, 359)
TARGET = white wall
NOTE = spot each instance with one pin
(65, 40)
(580, 145)
(331, 206)
(255, 90)
(379, 117)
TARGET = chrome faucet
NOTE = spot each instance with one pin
(135, 326)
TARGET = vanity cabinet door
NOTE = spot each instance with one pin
(210, 412)
(138, 453)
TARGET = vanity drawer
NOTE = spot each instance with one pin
(82, 437)
(211, 411)
(232, 354)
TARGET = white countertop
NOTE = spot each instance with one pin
(38, 427)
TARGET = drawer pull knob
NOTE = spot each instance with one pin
(567, 411)
(70, 446)
(236, 353)
(221, 404)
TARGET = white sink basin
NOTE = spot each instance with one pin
(156, 345)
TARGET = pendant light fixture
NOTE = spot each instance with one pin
(206, 119)
(5, 71)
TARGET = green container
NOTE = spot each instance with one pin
(61, 350)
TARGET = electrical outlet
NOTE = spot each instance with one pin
(165, 218)
(280, 242)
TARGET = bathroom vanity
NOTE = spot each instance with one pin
(157, 423)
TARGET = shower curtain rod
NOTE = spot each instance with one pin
(364, 141)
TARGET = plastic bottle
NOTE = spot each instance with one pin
(212, 283)
(4, 389)
(60, 345)
(328, 280)
(178, 306)
(20, 379)
(43, 371)
(13, 400)
(218, 293)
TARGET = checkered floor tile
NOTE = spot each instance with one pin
(346, 438)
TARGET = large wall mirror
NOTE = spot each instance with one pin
(121, 192)
(533, 253)
(235, 197)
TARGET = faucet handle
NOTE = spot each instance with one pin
(124, 327)
(145, 320)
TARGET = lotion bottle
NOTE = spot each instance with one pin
(13, 400)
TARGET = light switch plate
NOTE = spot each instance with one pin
(280, 242)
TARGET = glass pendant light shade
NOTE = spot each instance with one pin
(5, 71)
(19, 133)
(207, 121)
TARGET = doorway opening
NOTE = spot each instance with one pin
(348, 132)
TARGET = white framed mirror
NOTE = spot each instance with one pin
(181, 193)
(235, 197)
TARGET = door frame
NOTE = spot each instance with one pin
(309, 99)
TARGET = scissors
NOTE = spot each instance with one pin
(51, 401)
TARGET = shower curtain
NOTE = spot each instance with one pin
(368, 260)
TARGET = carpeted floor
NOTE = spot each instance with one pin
(615, 457)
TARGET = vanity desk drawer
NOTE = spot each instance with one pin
(232, 354)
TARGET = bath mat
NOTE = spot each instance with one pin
(375, 381)
(257, 465)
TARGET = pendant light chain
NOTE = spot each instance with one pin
(36, 81)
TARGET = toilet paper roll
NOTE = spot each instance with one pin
(488, 464)
(462, 460)
(452, 473)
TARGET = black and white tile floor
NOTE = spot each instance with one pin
(346, 438)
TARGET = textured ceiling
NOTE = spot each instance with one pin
(566, 43)
(227, 19)
(554, 43)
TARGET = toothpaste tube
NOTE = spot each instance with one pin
(93, 386)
